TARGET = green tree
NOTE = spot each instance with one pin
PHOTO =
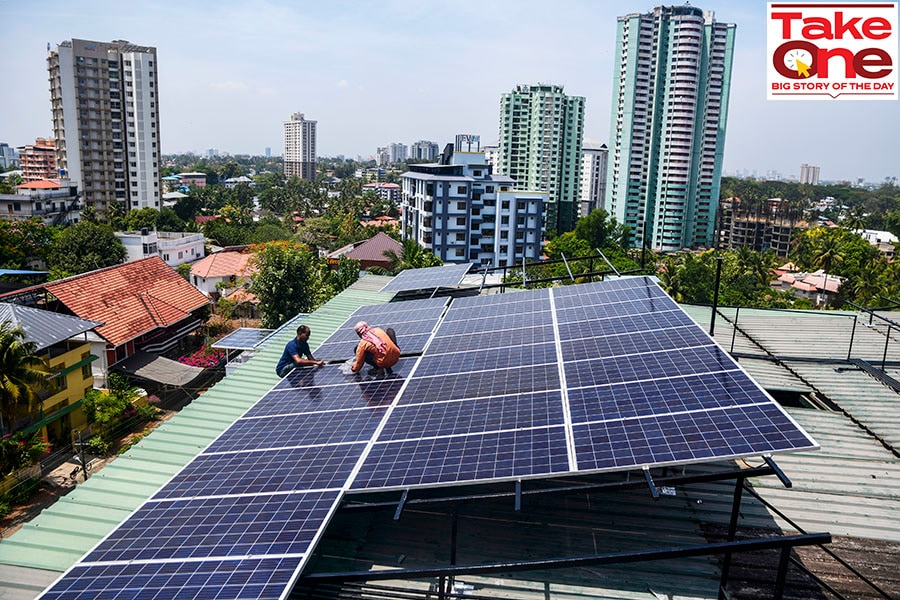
(137, 219)
(23, 374)
(25, 242)
(8, 184)
(412, 256)
(601, 231)
(188, 208)
(169, 221)
(85, 247)
(288, 281)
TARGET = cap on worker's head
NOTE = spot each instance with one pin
(361, 327)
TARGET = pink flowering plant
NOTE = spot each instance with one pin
(19, 450)
(205, 357)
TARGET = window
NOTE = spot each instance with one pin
(460, 252)
(520, 205)
(460, 220)
(505, 204)
(460, 237)
(488, 189)
(460, 189)
(460, 206)
(476, 173)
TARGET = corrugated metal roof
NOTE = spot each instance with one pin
(62, 533)
(44, 327)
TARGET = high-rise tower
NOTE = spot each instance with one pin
(667, 131)
(541, 131)
(105, 108)
(300, 147)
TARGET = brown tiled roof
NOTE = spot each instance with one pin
(40, 184)
(222, 264)
(131, 299)
(374, 248)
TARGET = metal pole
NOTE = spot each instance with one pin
(81, 453)
(732, 530)
(782, 572)
(712, 319)
(852, 334)
(887, 338)
(737, 312)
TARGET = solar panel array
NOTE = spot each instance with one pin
(429, 277)
(413, 323)
(583, 379)
(243, 338)
(238, 521)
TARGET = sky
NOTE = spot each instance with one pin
(373, 73)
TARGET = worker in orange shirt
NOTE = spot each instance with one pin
(377, 348)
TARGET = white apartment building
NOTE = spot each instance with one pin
(105, 116)
(464, 213)
(809, 174)
(300, 147)
(424, 150)
(593, 179)
(175, 248)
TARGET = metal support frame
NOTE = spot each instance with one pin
(649, 478)
(448, 571)
(785, 480)
(732, 531)
(518, 495)
(606, 260)
(401, 505)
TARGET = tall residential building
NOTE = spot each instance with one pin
(541, 132)
(105, 107)
(424, 150)
(593, 179)
(382, 156)
(398, 152)
(809, 174)
(300, 147)
(8, 156)
(667, 131)
(38, 161)
(464, 213)
(492, 156)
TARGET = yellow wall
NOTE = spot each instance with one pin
(76, 386)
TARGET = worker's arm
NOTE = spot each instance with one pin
(360, 357)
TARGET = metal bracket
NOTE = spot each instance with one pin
(654, 491)
(401, 504)
(778, 472)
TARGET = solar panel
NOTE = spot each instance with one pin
(413, 322)
(243, 338)
(430, 277)
(553, 382)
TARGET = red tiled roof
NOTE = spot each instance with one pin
(41, 184)
(222, 264)
(132, 299)
(374, 248)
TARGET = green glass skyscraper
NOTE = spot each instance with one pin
(669, 109)
(541, 131)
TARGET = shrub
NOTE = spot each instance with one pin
(19, 450)
(97, 446)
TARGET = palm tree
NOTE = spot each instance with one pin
(827, 252)
(412, 256)
(22, 373)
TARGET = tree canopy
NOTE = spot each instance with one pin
(85, 247)
(23, 373)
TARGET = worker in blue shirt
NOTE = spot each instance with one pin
(293, 354)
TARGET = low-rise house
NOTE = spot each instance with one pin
(386, 191)
(192, 179)
(233, 182)
(145, 306)
(56, 202)
(885, 241)
(819, 287)
(175, 248)
(370, 252)
(221, 273)
(62, 341)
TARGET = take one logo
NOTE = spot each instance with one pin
(832, 51)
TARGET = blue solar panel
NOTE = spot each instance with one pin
(259, 578)
(465, 459)
(481, 384)
(632, 343)
(686, 437)
(275, 524)
(416, 279)
(474, 416)
(285, 431)
(266, 471)
(486, 359)
(243, 338)
(477, 323)
(648, 365)
(368, 391)
(659, 396)
(625, 324)
(489, 339)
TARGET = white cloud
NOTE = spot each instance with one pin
(266, 91)
(342, 83)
